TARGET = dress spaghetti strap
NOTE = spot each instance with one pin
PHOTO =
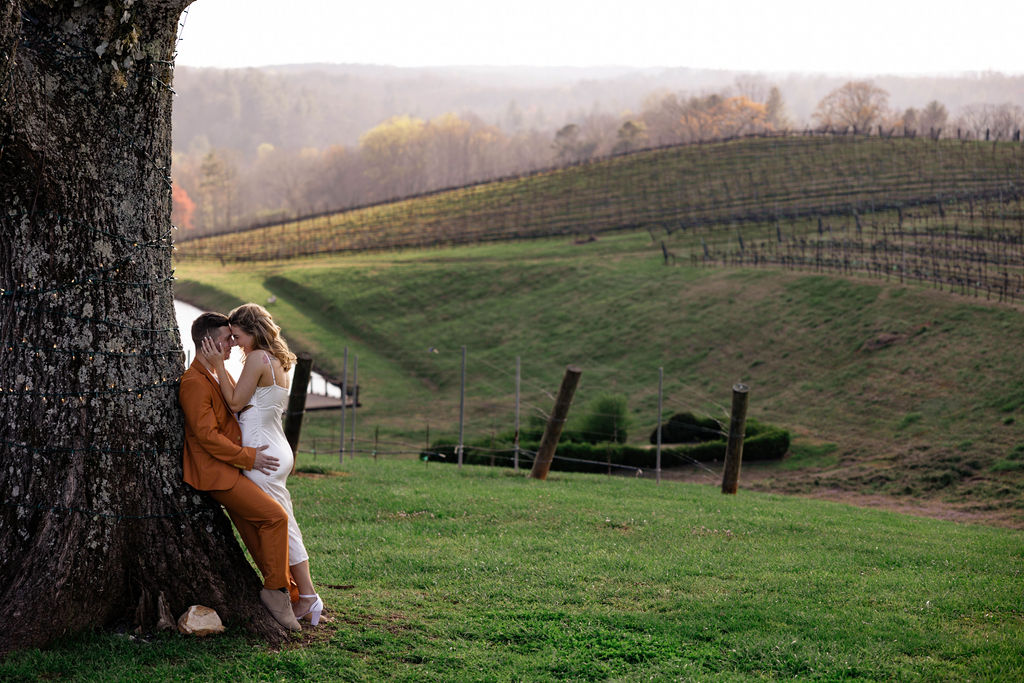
(269, 362)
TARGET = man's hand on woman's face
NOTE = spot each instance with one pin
(211, 350)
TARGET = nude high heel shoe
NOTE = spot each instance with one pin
(315, 609)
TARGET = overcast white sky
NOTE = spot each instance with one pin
(857, 37)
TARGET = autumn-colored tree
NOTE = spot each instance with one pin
(338, 180)
(394, 156)
(182, 207)
(714, 116)
(449, 150)
(489, 154)
(859, 105)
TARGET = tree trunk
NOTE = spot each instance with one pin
(96, 523)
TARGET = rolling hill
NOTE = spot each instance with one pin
(863, 287)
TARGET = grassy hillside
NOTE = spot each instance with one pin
(889, 388)
(432, 574)
(755, 180)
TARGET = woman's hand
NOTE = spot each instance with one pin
(211, 352)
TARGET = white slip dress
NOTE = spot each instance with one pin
(261, 425)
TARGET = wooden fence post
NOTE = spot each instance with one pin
(734, 447)
(553, 430)
(297, 401)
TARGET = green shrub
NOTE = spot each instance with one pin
(479, 452)
(761, 442)
(688, 428)
(1006, 465)
(605, 419)
(909, 419)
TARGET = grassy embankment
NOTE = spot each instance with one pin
(479, 575)
(888, 388)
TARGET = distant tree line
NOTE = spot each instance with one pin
(218, 189)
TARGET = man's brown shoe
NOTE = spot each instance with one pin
(279, 605)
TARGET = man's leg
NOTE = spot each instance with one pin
(263, 525)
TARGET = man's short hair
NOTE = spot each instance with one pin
(205, 325)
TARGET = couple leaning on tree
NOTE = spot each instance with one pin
(234, 429)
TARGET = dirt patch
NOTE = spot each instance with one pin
(767, 480)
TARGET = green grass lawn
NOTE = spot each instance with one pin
(478, 574)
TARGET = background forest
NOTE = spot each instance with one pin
(256, 145)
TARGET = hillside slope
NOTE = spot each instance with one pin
(719, 186)
(889, 388)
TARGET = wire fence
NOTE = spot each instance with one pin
(971, 247)
(492, 433)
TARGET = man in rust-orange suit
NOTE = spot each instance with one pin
(213, 462)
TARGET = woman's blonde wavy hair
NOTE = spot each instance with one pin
(266, 334)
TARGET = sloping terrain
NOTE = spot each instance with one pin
(889, 388)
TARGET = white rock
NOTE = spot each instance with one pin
(200, 621)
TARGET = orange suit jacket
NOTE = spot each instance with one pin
(214, 456)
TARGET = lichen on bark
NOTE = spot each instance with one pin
(96, 523)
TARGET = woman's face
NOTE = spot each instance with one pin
(243, 339)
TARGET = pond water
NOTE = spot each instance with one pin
(186, 313)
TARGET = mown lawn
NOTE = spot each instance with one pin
(479, 574)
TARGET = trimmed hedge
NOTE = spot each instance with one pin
(688, 428)
(761, 442)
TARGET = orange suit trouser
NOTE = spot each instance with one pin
(263, 525)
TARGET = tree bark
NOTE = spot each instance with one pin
(96, 524)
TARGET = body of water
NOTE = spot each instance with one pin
(186, 313)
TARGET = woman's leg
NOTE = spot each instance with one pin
(300, 572)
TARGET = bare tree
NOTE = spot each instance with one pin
(857, 104)
(775, 110)
(752, 86)
(662, 116)
(218, 190)
(933, 117)
(910, 120)
(993, 121)
(96, 527)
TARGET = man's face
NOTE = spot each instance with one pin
(222, 336)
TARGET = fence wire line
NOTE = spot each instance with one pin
(588, 370)
(668, 452)
(590, 433)
(526, 456)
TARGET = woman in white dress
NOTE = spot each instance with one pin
(259, 397)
